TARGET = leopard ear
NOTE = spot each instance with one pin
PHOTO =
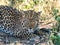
(39, 13)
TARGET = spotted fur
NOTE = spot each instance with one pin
(18, 23)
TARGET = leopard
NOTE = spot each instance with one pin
(18, 23)
(21, 24)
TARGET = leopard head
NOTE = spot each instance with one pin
(30, 19)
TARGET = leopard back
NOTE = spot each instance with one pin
(8, 19)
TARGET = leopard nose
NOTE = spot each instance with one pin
(30, 28)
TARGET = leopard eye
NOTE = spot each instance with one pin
(22, 23)
(23, 26)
